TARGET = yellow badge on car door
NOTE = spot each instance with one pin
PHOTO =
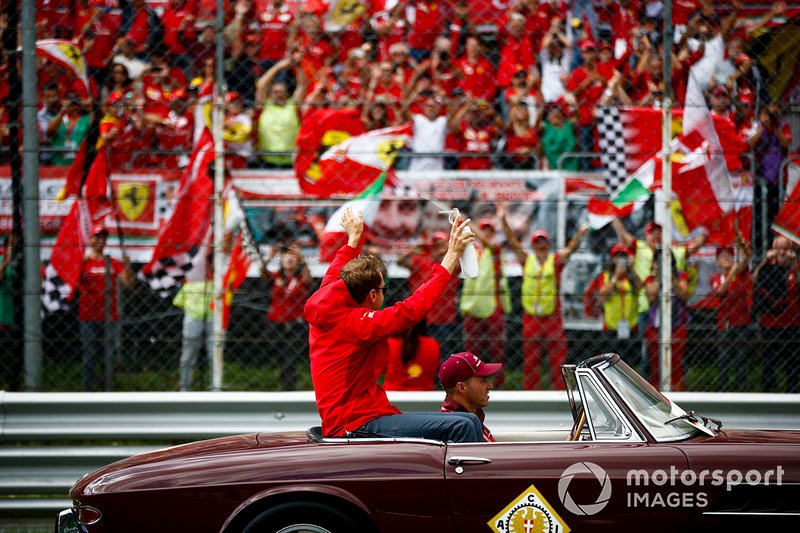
(529, 513)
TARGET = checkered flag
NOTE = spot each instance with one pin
(612, 144)
(55, 292)
(169, 273)
(183, 238)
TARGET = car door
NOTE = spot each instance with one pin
(562, 486)
(610, 478)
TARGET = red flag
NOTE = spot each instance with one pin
(238, 266)
(180, 237)
(321, 129)
(352, 165)
(74, 174)
(64, 270)
(787, 223)
(95, 190)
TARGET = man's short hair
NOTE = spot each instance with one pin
(363, 274)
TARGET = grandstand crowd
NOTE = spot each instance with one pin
(520, 78)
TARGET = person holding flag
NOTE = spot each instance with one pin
(348, 342)
(97, 304)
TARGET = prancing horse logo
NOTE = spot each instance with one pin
(132, 199)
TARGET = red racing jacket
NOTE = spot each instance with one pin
(348, 344)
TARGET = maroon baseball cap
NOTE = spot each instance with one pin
(464, 365)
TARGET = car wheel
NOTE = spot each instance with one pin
(302, 517)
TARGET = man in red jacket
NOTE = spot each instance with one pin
(348, 340)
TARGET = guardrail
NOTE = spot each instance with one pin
(35, 477)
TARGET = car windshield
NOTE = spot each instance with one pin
(653, 408)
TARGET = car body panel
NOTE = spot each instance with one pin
(515, 466)
(622, 471)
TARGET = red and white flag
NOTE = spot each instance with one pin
(181, 236)
(787, 222)
(354, 164)
(68, 56)
(321, 129)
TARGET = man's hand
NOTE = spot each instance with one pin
(457, 244)
(353, 224)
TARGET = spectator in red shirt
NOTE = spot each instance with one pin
(721, 102)
(391, 27)
(278, 28)
(442, 320)
(521, 139)
(427, 23)
(96, 32)
(122, 132)
(159, 85)
(178, 19)
(478, 127)
(516, 53)
(413, 360)
(348, 343)
(477, 74)
(733, 287)
(291, 287)
(444, 76)
(585, 87)
(173, 133)
(141, 24)
(95, 295)
(316, 47)
(525, 89)
(776, 301)
(383, 83)
(464, 378)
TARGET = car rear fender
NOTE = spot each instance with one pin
(261, 501)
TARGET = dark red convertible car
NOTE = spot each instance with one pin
(632, 461)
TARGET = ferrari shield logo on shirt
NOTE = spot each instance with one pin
(529, 513)
(132, 199)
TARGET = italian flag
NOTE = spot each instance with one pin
(367, 202)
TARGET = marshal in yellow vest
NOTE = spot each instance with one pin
(478, 297)
(539, 286)
(619, 305)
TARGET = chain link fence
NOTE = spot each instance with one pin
(536, 119)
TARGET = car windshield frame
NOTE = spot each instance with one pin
(655, 412)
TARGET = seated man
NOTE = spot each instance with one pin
(463, 376)
(348, 343)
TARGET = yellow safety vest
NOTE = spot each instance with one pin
(621, 304)
(643, 265)
(478, 297)
(540, 286)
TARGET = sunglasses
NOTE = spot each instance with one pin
(382, 288)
